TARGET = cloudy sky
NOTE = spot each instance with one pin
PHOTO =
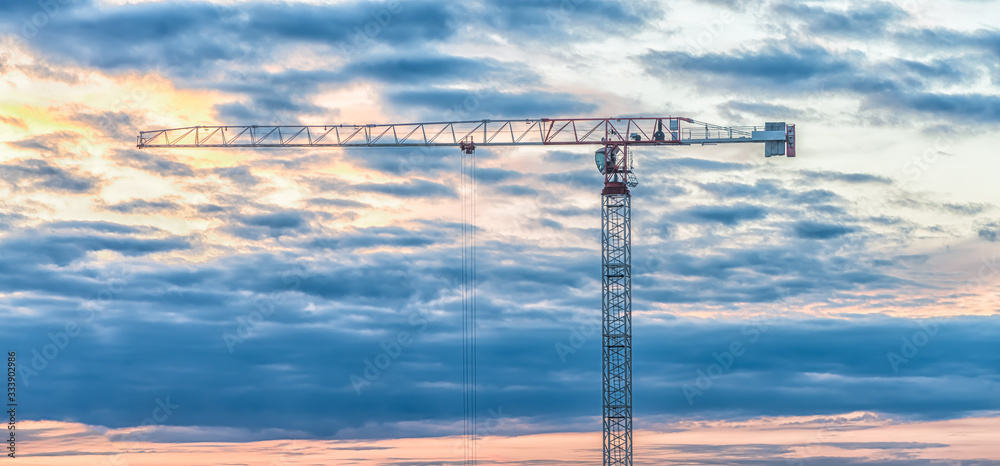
(838, 308)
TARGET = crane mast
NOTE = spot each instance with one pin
(616, 301)
(616, 138)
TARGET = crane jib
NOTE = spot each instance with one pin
(779, 138)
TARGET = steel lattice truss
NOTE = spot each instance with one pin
(544, 131)
(616, 135)
(616, 266)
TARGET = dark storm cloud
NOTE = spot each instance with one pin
(10, 220)
(549, 223)
(114, 125)
(49, 143)
(210, 209)
(188, 36)
(971, 107)
(274, 110)
(790, 66)
(883, 445)
(761, 454)
(966, 209)
(49, 244)
(734, 111)
(770, 454)
(531, 104)
(363, 298)
(284, 95)
(743, 450)
(47, 260)
(528, 20)
(382, 236)
(674, 164)
(726, 215)
(808, 271)
(517, 190)
(194, 41)
(409, 189)
(41, 175)
(771, 190)
(271, 224)
(144, 206)
(989, 231)
(23, 11)
(971, 208)
(893, 84)
(422, 160)
(588, 178)
(303, 363)
(565, 156)
(786, 262)
(327, 202)
(805, 68)
(106, 227)
(433, 69)
(276, 220)
(241, 175)
(200, 45)
(851, 178)
(152, 163)
(569, 211)
(496, 175)
(867, 20)
(860, 356)
(731, 4)
(951, 41)
(951, 69)
(143, 35)
(818, 196)
(270, 97)
(41, 72)
(817, 230)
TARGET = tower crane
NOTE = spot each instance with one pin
(616, 137)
